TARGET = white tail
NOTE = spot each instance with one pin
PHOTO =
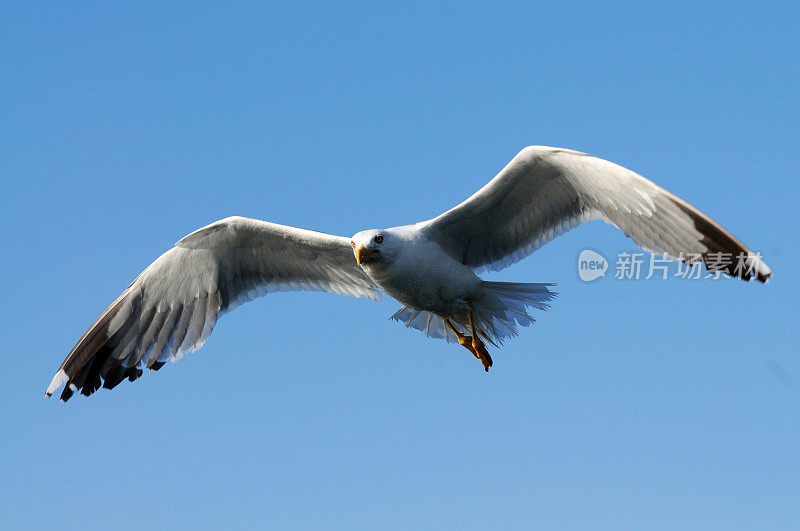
(504, 305)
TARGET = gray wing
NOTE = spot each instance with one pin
(173, 305)
(543, 192)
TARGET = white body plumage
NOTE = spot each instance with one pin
(417, 272)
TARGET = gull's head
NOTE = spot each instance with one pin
(372, 247)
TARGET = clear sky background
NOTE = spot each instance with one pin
(639, 404)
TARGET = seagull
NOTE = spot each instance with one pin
(431, 267)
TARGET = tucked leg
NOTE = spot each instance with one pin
(464, 341)
(478, 346)
(469, 342)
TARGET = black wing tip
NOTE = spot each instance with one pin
(739, 261)
(91, 365)
(99, 371)
(108, 382)
(69, 390)
(760, 276)
(744, 273)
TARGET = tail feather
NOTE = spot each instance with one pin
(504, 306)
(429, 323)
(518, 295)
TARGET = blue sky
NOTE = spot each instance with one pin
(629, 404)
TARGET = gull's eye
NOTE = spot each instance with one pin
(352, 244)
(378, 238)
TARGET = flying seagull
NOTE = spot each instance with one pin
(430, 266)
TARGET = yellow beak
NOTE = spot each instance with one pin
(363, 254)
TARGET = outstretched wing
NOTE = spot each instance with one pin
(543, 192)
(173, 305)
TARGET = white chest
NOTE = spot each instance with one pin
(424, 277)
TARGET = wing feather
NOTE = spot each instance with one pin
(544, 192)
(173, 305)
